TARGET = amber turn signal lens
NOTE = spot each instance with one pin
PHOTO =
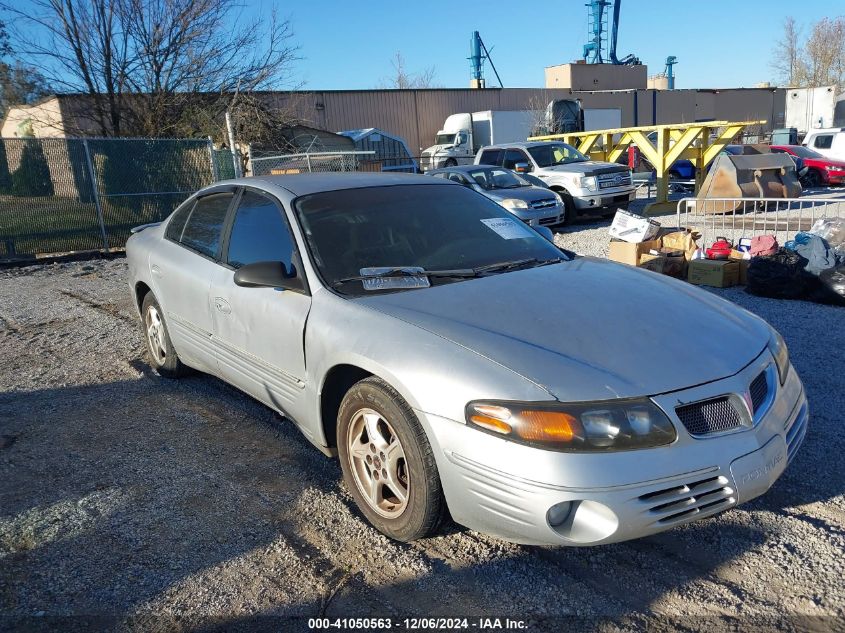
(491, 424)
(548, 426)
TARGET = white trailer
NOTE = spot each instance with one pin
(808, 109)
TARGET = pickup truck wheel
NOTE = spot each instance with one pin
(388, 465)
(163, 357)
(569, 214)
(451, 163)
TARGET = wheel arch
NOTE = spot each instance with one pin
(336, 383)
(141, 291)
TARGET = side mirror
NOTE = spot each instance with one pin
(522, 168)
(268, 275)
(545, 232)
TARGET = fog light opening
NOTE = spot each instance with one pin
(582, 521)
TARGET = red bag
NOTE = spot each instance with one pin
(763, 246)
(721, 249)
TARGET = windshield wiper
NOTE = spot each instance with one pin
(408, 271)
(516, 263)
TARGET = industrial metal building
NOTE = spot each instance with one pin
(416, 115)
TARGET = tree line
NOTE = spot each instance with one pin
(816, 57)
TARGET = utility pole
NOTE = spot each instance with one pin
(235, 159)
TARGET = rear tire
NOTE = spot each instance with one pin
(388, 464)
(163, 356)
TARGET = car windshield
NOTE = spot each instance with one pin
(434, 227)
(444, 139)
(804, 152)
(490, 179)
(555, 154)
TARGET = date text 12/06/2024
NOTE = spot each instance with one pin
(419, 624)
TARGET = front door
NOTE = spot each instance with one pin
(259, 331)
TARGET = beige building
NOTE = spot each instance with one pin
(582, 76)
(416, 115)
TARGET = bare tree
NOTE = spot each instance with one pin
(787, 59)
(404, 80)
(19, 84)
(155, 67)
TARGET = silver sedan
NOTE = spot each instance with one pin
(459, 363)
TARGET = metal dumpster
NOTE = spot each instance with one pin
(754, 173)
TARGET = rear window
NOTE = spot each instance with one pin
(177, 223)
(205, 225)
(491, 157)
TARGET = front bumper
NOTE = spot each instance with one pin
(835, 177)
(507, 489)
(588, 201)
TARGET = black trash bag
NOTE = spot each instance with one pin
(780, 276)
(833, 285)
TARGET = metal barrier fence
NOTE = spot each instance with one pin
(69, 194)
(287, 164)
(745, 217)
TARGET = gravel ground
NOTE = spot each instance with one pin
(185, 504)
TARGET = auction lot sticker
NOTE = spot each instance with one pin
(508, 228)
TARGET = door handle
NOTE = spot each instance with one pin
(222, 305)
(156, 271)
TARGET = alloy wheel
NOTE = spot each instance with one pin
(155, 335)
(378, 463)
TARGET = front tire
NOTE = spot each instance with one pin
(569, 213)
(388, 464)
(163, 356)
(451, 162)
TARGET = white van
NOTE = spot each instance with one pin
(827, 141)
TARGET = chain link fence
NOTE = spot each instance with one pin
(66, 194)
(287, 164)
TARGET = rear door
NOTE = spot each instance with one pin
(182, 269)
(259, 332)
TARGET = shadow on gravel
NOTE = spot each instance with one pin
(114, 494)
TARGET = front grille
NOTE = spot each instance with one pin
(543, 204)
(709, 416)
(680, 503)
(759, 391)
(548, 221)
(614, 180)
(425, 161)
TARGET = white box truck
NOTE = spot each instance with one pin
(464, 133)
(809, 109)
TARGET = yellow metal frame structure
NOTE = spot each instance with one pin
(691, 141)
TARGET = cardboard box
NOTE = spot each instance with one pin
(627, 253)
(739, 258)
(633, 228)
(719, 273)
(666, 262)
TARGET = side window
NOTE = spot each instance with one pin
(462, 138)
(823, 141)
(514, 156)
(442, 175)
(458, 178)
(205, 224)
(177, 222)
(259, 233)
(491, 157)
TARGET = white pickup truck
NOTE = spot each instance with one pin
(585, 186)
(464, 133)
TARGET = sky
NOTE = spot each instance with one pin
(349, 44)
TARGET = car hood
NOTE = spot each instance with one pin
(588, 329)
(590, 167)
(529, 194)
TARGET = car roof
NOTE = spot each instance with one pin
(519, 144)
(303, 184)
(465, 168)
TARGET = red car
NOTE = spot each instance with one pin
(821, 170)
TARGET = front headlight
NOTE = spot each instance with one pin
(514, 203)
(778, 348)
(610, 425)
(588, 182)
